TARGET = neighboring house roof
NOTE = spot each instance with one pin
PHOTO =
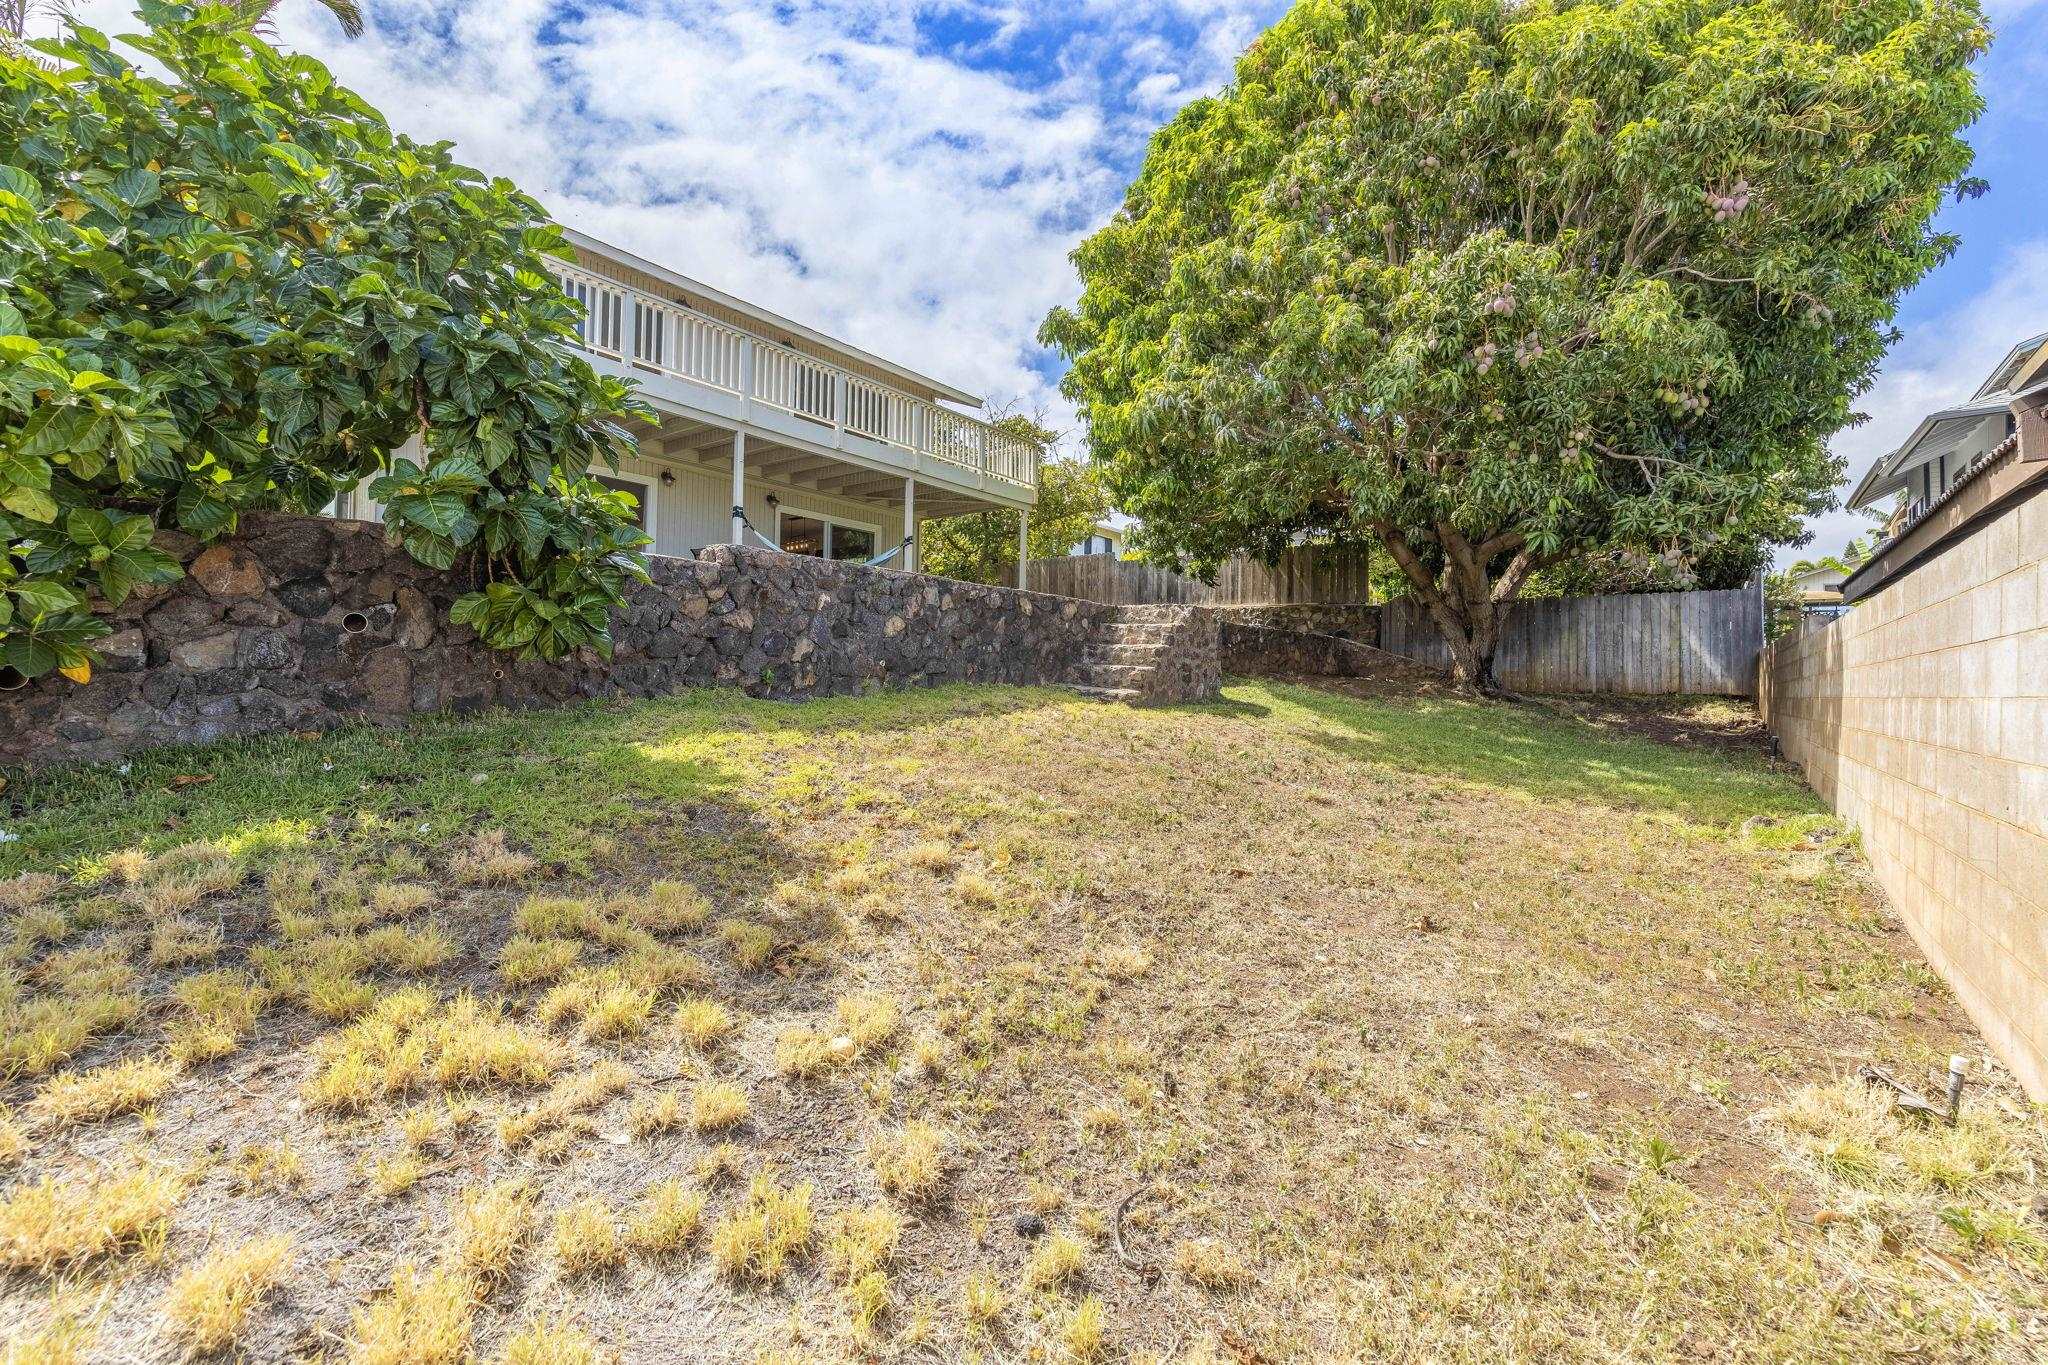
(1817, 576)
(773, 322)
(1930, 532)
(2024, 357)
(1938, 435)
(1941, 433)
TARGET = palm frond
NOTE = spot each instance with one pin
(347, 13)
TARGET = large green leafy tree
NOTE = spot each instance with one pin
(237, 288)
(981, 547)
(1504, 283)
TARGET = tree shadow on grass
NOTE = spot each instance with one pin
(548, 778)
(1523, 748)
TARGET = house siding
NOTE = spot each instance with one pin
(695, 510)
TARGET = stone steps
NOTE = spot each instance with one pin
(1143, 633)
(1117, 675)
(1122, 654)
(1128, 696)
(1138, 655)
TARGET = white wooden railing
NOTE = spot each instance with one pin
(638, 329)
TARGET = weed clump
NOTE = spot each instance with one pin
(489, 861)
(408, 1041)
(105, 1092)
(209, 1304)
(1055, 1264)
(422, 1319)
(758, 1241)
(911, 1164)
(55, 1223)
(491, 1227)
(703, 1023)
(587, 1238)
(717, 1107)
(666, 1220)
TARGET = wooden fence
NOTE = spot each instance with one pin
(1644, 644)
(1305, 573)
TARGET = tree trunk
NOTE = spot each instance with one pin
(1467, 604)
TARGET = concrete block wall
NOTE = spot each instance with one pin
(1922, 716)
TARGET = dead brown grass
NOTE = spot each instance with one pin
(52, 1223)
(1423, 1032)
(209, 1305)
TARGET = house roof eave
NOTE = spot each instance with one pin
(2010, 368)
(770, 320)
(1883, 477)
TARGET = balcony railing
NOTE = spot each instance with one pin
(635, 328)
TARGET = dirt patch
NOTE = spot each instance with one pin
(1717, 723)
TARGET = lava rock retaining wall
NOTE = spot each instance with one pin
(1353, 621)
(1265, 651)
(306, 623)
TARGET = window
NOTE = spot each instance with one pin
(853, 542)
(805, 533)
(640, 487)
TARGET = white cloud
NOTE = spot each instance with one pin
(1939, 362)
(1159, 91)
(844, 162)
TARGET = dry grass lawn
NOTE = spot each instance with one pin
(986, 1024)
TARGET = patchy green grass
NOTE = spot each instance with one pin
(1396, 1027)
(548, 779)
(1540, 753)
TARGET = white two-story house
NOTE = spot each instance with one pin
(772, 433)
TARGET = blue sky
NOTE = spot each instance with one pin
(910, 174)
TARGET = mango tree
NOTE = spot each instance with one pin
(1504, 284)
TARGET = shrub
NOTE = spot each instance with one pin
(379, 291)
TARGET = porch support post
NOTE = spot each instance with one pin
(1024, 549)
(910, 525)
(739, 487)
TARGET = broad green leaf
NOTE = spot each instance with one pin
(32, 503)
(20, 184)
(38, 599)
(137, 187)
(90, 529)
(28, 471)
(25, 652)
